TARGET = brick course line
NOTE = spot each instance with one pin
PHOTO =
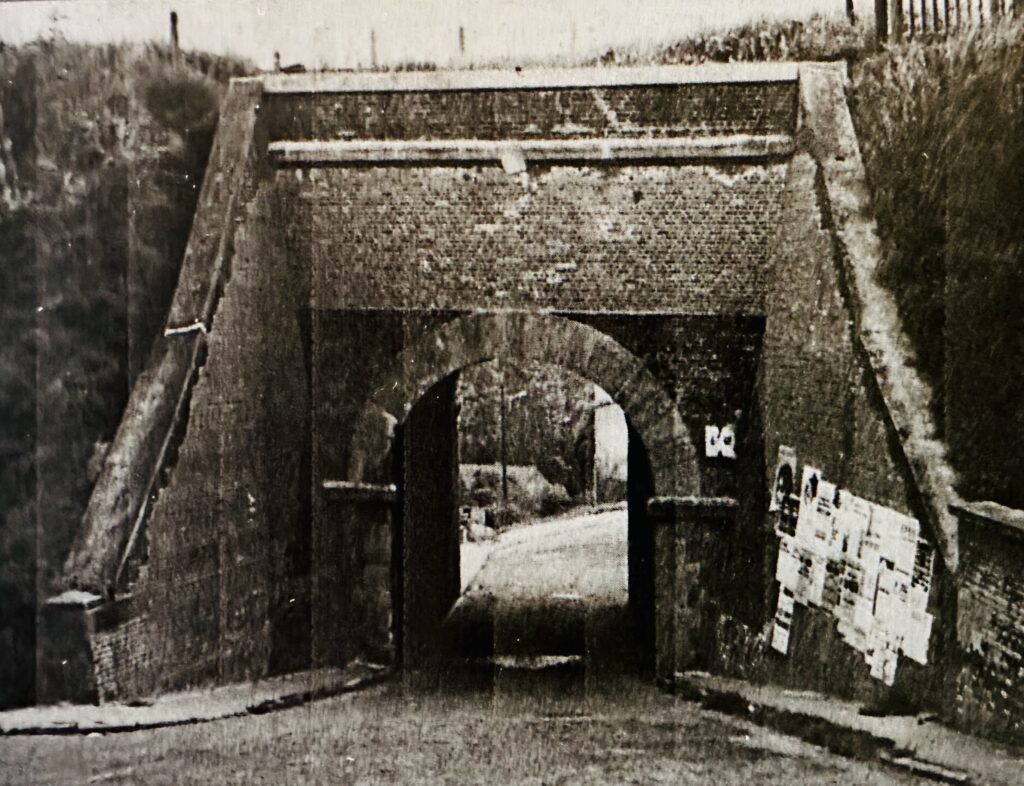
(731, 146)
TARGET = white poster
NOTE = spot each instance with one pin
(853, 517)
(863, 562)
(915, 639)
(805, 522)
(783, 621)
(787, 569)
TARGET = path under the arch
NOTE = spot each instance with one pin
(552, 596)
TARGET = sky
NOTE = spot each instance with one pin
(352, 33)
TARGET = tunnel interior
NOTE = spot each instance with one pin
(437, 621)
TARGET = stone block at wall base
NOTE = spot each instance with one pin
(66, 671)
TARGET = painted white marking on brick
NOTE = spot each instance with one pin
(198, 325)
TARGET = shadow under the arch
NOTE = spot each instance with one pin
(548, 615)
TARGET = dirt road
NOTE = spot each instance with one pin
(580, 721)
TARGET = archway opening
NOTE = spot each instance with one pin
(401, 479)
(520, 536)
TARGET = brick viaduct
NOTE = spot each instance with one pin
(696, 240)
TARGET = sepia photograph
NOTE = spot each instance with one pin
(529, 392)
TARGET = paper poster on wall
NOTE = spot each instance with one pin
(882, 659)
(853, 517)
(832, 592)
(727, 441)
(808, 494)
(785, 478)
(899, 537)
(787, 570)
(783, 621)
(915, 640)
(924, 564)
(811, 582)
(720, 442)
(787, 515)
(864, 563)
(823, 516)
(849, 590)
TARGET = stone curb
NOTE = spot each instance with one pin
(835, 737)
(366, 677)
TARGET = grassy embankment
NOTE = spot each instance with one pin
(102, 150)
(941, 125)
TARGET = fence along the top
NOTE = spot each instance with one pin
(909, 18)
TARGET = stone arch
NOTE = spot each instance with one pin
(478, 338)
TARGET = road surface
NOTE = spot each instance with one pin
(575, 722)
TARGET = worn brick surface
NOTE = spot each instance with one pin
(657, 110)
(991, 627)
(677, 239)
(814, 396)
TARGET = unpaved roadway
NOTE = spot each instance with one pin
(573, 723)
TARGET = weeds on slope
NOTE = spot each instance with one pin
(941, 125)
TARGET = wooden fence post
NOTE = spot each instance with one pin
(175, 48)
(882, 20)
(897, 23)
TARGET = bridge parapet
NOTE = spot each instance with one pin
(657, 102)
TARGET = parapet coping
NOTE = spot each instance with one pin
(527, 78)
(1011, 520)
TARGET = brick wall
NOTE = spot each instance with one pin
(672, 239)
(123, 664)
(816, 395)
(654, 110)
(224, 530)
(990, 620)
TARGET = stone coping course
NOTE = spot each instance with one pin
(526, 78)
